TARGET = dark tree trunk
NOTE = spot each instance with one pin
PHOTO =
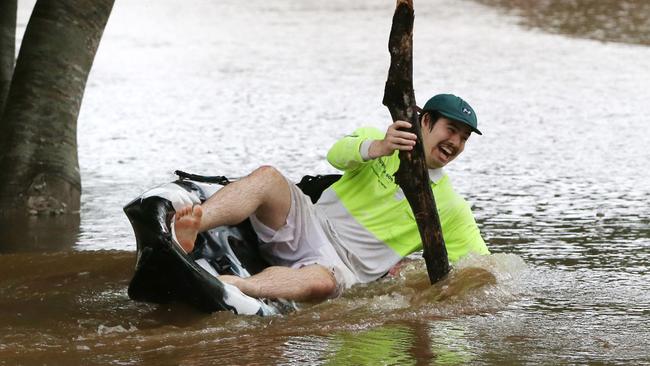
(412, 175)
(39, 168)
(7, 47)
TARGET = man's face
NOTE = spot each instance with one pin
(445, 142)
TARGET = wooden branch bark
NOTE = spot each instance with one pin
(412, 175)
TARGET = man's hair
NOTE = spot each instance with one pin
(433, 117)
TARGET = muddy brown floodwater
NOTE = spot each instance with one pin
(72, 308)
(559, 182)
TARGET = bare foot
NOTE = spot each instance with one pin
(186, 226)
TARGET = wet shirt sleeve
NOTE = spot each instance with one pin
(345, 154)
(462, 235)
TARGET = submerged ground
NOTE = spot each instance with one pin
(558, 182)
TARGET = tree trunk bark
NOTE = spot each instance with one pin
(412, 175)
(8, 10)
(39, 168)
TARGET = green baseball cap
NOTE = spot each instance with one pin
(453, 107)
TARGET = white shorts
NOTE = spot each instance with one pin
(302, 241)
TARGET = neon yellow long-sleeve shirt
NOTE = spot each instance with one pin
(374, 220)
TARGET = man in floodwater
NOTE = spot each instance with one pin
(361, 226)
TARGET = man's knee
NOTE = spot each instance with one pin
(274, 196)
(327, 289)
(323, 284)
(268, 173)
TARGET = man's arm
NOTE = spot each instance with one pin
(462, 235)
(369, 143)
(395, 139)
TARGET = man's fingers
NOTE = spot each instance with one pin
(403, 147)
(401, 124)
(401, 136)
(402, 144)
(402, 141)
(405, 135)
(397, 139)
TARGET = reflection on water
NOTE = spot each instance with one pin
(558, 183)
(604, 20)
(392, 344)
(30, 233)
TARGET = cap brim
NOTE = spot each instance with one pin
(455, 118)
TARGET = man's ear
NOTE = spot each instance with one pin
(426, 119)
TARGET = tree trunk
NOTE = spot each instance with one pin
(8, 10)
(412, 175)
(39, 168)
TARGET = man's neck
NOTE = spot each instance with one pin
(436, 174)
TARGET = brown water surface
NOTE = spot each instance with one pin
(72, 308)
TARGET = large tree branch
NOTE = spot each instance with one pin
(412, 175)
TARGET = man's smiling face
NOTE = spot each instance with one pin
(444, 142)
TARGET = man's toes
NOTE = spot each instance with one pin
(197, 211)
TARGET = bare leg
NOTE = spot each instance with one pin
(309, 283)
(264, 192)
